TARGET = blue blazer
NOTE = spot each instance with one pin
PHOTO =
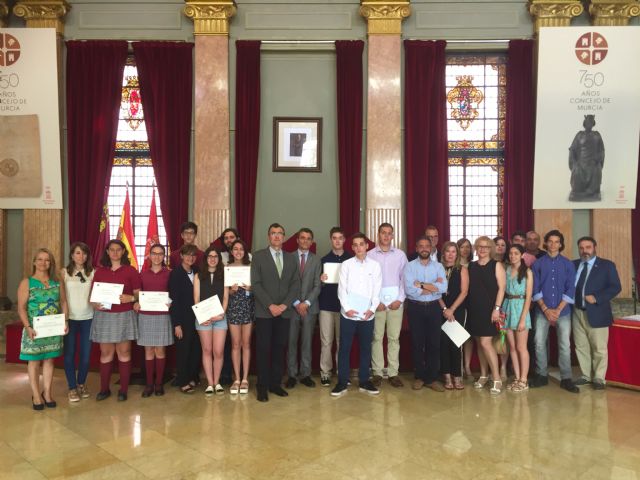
(604, 284)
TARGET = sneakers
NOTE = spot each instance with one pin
(308, 382)
(325, 381)
(209, 391)
(339, 390)
(83, 391)
(73, 395)
(368, 387)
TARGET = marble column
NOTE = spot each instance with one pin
(212, 206)
(612, 228)
(44, 227)
(384, 105)
(555, 13)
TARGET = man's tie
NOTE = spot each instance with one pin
(302, 263)
(580, 286)
(279, 264)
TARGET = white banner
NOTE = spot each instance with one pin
(30, 174)
(588, 125)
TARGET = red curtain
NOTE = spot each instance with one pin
(519, 138)
(425, 142)
(349, 95)
(94, 85)
(165, 70)
(247, 134)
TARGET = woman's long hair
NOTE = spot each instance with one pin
(87, 267)
(522, 270)
(52, 263)
(203, 274)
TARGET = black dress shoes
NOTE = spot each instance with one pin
(278, 390)
(103, 395)
(263, 396)
(308, 382)
(569, 386)
(122, 397)
(539, 381)
(291, 382)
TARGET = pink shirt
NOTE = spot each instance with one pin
(392, 263)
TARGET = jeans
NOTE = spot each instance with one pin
(348, 328)
(563, 330)
(81, 328)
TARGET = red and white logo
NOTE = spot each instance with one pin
(9, 50)
(591, 48)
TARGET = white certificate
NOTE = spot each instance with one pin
(207, 309)
(388, 295)
(456, 332)
(333, 272)
(49, 325)
(359, 303)
(237, 276)
(154, 301)
(106, 292)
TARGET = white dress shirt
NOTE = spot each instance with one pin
(360, 277)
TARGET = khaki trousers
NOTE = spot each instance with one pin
(591, 346)
(392, 321)
(329, 329)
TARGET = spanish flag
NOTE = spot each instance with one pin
(125, 232)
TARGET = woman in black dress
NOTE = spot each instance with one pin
(486, 291)
(453, 308)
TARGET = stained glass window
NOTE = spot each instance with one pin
(476, 94)
(132, 166)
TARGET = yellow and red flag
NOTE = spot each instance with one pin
(125, 232)
(153, 236)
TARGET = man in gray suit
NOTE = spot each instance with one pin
(276, 284)
(303, 318)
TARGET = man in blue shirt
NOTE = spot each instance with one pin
(553, 291)
(424, 283)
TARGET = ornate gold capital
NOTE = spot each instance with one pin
(554, 13)
(4, 13)
(613, 12)
(210, 17)
(384, 16)
(43, 13)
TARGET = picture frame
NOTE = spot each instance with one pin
(297, 144)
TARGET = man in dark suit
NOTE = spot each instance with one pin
(597, 283)
(305, 314)
(276, 285)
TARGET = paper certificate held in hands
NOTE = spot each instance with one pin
(154, 301)
(359, 303)
(49, 325)
(106, 293)
(207, 309)
(388, 295)
(332, 270)
(456, 332)
(237, 276)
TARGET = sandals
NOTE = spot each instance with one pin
(481, 382)
(496, 389)
(448, 384)
(513, 384)
(244, 387)
(520, 386)
(457, 383)
(187, 389)
(235, 388)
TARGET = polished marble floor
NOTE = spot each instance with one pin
(546, 433)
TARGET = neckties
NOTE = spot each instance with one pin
(302, 263)
(278, 264)
(579, 302)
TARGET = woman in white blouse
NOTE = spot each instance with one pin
(78, 276)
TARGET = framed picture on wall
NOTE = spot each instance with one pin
(297, 144)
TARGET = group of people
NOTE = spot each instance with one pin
(494, 297)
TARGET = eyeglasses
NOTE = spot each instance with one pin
(213, 256)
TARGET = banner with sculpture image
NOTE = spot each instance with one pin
(30, 173)
(588, 118)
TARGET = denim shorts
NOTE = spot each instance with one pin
(219, 325)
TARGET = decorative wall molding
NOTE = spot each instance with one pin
(210, 18)
(384, 16)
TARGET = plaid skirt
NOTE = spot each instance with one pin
(154, 330)
(116, 327)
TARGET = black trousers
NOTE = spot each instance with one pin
(272, 337)
(188, 356)
(424, 323)
(450, 356)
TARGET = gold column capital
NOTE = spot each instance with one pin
(43, 13)
(554, 13)
(384, 16)
(210, 17)
(4, 13)
(613, 12)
